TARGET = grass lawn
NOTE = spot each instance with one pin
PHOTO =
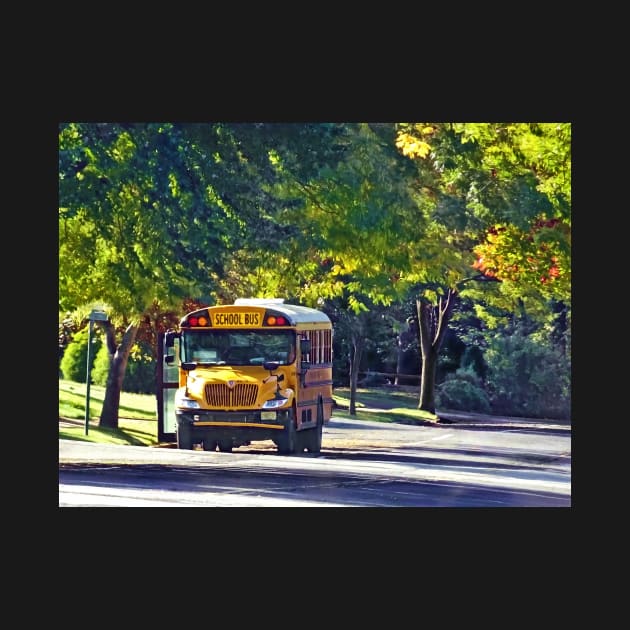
(137, 423)
(382, 404)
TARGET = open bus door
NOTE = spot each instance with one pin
(167, 384)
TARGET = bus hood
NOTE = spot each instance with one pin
(233, 378)
(225, 374)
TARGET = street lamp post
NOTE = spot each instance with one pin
(95, 316)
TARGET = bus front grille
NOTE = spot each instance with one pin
(224, 397)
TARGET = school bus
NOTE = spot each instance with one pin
(258, 369)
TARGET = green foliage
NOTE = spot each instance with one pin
(141, 371)
(450, 355)
(101, 366)
(462, 391)
(152, 213)
(473, 359)
(527, 376)
(354, 208)
(513, 175)
(140, 374)
(74, 362)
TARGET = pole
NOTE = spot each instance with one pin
(87, 382)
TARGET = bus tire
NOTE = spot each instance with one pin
(300, 442)
(184, 436)
(209, 445)
(314, 436)
(225, 446)
(289, 441)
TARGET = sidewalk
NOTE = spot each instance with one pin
(477, 419)
(68, 423)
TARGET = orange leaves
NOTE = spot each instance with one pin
(511, 254)
(481, 265)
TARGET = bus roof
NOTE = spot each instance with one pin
(298, 314)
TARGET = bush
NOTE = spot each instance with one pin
(140, 374)
(473, 358)
(373, 380)
(462, 391)
(73, 364)
(101, 367)
(528, 377)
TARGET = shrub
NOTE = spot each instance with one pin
(74, 361)
(473, 357)
(462, 391)
(101, 367)
(140, 373)
(373, 380)
(528, 377)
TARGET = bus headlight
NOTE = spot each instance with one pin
(186, 403)
(275, 403)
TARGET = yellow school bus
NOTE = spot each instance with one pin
(258, 369)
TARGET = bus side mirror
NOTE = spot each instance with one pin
(305, 346)
(304, 367)
(169, 344)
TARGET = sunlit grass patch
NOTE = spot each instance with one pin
(129, 432)
(381, 405)
(72, 402)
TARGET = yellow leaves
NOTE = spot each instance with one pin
(357, 306)
(452, 277)
(275, 159)
(411, 146)
(430, 295)
(123, 148)
(173, 184)
(348, 266)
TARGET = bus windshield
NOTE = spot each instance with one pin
(238, 347)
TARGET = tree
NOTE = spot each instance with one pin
(356, 226)
(479, 176)
(153, 214)
(137, 224)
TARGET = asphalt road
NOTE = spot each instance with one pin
(467, 463)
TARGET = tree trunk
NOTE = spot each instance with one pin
(399, 357)
(432, 326)
(355, 364)
(427, 380)
(117, 367)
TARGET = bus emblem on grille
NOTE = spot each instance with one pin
(231, 384)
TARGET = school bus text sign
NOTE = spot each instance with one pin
(246, 319)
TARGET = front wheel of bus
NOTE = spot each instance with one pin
(184, 436)
(314, 441)
(289, 442)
